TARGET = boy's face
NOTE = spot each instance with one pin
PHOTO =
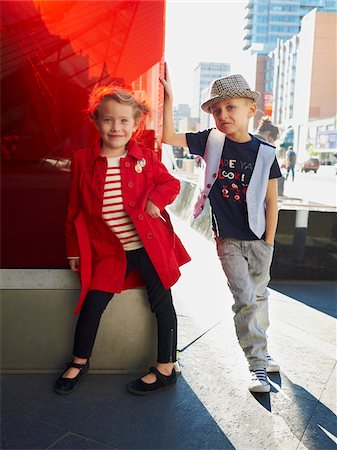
(232, 117)
(115, 123)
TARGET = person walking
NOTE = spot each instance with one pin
(290, 162)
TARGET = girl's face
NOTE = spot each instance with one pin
(115, 124)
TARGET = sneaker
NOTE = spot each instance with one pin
(272, 365)
(259, 381)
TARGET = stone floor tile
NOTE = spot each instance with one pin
(321, 432)
(34, 393)
(19, 431)
(74, 442)
(172, 419)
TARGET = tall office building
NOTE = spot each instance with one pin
(304, 85)
(204, 74)
(180, 112)
(267, 21)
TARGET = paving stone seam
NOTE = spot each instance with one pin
(71, 433)
(319, 342)
(58, 440)
(199, 337)
(317, 402)
(332, 373)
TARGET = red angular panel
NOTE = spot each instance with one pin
(52, 53)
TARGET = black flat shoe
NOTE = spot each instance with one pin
(138, 386)
(64, 386)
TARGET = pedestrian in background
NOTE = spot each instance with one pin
(290, 162)
(241, 183)
(116, 223)
(268, 132)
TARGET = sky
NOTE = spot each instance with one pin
(204, 31)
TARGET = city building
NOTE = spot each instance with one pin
(305, 86)
(180, 112)
(188, 124)
(204, 74)
(266, 21)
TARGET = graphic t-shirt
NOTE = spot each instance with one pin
(228, 194)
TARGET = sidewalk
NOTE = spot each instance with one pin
(211, 407)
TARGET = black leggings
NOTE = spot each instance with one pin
(161, 305)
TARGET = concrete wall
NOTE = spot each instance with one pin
(37, 325)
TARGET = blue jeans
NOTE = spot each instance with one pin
(246, 265)
(292, 170)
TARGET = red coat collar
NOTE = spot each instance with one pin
(133, 150)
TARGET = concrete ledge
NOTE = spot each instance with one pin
(37, 329)
(39, 279)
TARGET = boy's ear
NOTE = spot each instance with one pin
(252, 110)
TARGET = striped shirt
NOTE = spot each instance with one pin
(113, 211)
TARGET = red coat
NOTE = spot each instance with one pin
(103, 259)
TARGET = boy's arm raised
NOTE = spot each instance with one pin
(169, 135)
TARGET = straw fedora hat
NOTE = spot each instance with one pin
(233, 86)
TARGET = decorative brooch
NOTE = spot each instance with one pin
(139, 165)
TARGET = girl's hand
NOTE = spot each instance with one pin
(152, 210)
(166, 82)
(74, 264)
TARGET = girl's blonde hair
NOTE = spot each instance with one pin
(100, 93)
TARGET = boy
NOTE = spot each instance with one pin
(241, 183)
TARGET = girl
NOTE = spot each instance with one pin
(116, 222)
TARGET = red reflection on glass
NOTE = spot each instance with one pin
(53, 52)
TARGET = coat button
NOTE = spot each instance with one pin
(127, 164)
(131, 203)
(140, 216)
(208, 186)
(214, 175)
(204, 196)
(149, 235)
(130, 184)
(202, 207)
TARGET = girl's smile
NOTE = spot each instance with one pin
(116, 124)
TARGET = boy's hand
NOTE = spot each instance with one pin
(166, 82)
(152, 210)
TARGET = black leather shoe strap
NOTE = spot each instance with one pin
(75, 365)
(165, 380)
